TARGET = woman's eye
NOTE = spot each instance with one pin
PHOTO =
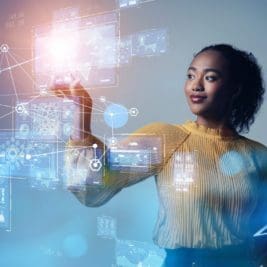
(211, 78)
(189, 76)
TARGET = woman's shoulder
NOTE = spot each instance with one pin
(253, 144)
(259, 153)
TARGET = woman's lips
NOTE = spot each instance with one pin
(197, 98)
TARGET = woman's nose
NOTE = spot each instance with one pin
(197, 86)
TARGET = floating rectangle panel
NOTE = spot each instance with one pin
(45, 118)
(135, 153)
(83, 167)
(86, 47)
(150, 43)
(41, 163)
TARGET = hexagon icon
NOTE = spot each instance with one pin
(95, 165)
(134, 112)
(20, 108)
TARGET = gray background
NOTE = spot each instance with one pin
(154, 85)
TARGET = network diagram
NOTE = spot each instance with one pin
(33, 149)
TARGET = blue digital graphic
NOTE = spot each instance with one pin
(135, 153)
(41, 162)
(5, 203)
(133, 253)
(45, 118)
(150, 43)
(77, 177)
(127, 3)
(86, 46)
(106, 227)
(116, 116)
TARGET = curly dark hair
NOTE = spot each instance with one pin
(246, 76)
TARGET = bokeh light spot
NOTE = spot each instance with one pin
(75, 246)
(231, 163)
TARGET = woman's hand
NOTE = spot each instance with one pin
(76, 92)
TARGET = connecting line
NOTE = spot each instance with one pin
(33, 98)
(18, 56)
(19, 64)
(48, 153)
(103, 155)
(27, 74)
(112, 127)
(7, 114)
(17, 178)
(1, 61)
(77, 103)
(20, 48)
(6, 106)
(72, 149)
(98, 105)
(12, 79)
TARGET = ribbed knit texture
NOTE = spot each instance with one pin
(209, 183)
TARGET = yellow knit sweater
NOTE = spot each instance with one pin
(209, 183)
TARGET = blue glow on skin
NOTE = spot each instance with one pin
(116, 116)
(231, 163)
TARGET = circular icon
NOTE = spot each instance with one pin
(94, 146)
(12, 153)
(113, 141)
(116, 116)
(4, 48)
(95, 165)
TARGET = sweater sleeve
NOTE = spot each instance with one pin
(259, 219)
(157, 142)
(263, 186)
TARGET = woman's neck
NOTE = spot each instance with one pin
(213, 123)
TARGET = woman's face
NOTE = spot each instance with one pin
(207, 88)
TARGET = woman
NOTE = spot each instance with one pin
(211, 180)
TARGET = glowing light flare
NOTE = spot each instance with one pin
(62, 49)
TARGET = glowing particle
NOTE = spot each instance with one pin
(94, 146)
(75, 246)
(28, 156)
(134, 112)
(4, 48)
